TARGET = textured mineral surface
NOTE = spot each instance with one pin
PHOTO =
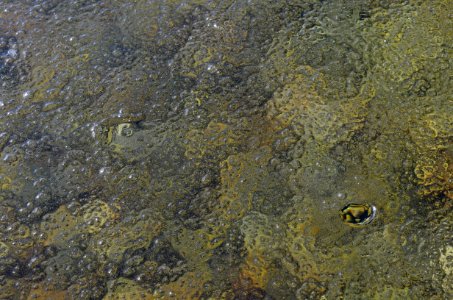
(202, 149)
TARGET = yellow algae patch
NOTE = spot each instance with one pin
(434, 162)
(42, 76)
(48, 84)
(9, 290)
(95, 214)
(196, 248)
(134, 234)
(125, 105)
(264, 241)
(220, 138)
(407, 44)
(4, 250)
(202, 56)
(299, 105)
(240, 177)
(195, 245)
(300, 242)
(7, 176)
(412, 61)
(59, 226)
(216, 134)
(5, 182)
(50, 80)
(446, 263)
(432, 131)
(188, 286)
(389, 293)
(62, 225)
(126, 289)
(254, 272)
(44, 292)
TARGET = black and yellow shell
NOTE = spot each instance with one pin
(358, 214)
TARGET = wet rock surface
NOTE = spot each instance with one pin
(202, 149)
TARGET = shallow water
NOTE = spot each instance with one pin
(203, 149)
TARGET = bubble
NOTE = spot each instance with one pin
(27, 94)
(341, 195)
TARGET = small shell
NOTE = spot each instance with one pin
(357, 215)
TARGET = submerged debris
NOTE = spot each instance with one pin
(357, 215)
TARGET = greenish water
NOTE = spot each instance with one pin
(203, 149)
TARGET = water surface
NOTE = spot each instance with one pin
(203, 149)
